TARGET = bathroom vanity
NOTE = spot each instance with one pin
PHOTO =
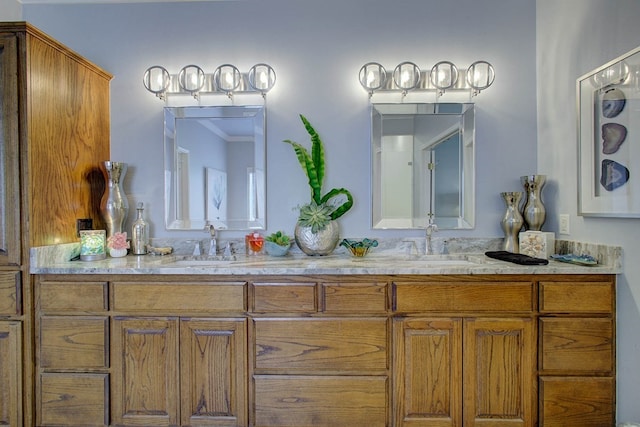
(324, 342)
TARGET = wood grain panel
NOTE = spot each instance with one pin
(321, 345)
(146, 375)
(68, 128)
(11, 228)
(74, 342)
(10, 294)
(499, 367)
(427, 372)
(349, 297)
(577, 401)
(457, 297)
(284, 298)
(72, 297)
(11, 371)
(585, 297)
(74, 399)
(167, 298)
(577, 344)
(213, 372)
(350, 401)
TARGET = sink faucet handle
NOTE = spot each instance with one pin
(210, 228)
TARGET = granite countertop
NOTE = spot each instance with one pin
(55, 260)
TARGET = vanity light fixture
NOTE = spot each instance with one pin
(372, 77)
(262, 78)
(406, 76)
(480, 75)
(227, 78)
(442, 77)
(193, 80)
(157, 80)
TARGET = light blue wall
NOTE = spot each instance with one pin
(573, 38)
(316, 49)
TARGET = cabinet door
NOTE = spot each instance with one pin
(498, 372)
(10, 373)
(9, 181)
(145, 372)
(427, 372)
(213, 372)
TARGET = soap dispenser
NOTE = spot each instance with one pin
(139, 233)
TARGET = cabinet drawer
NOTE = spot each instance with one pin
(10, 294)
(454, 297)
(577, 344)
(284, 297)
(571, 297)
(577, 401)
(74, 342)
(321, 345)
(355, 297)
(72, 297)
(320, 401)
(167, 298)
(74, 399)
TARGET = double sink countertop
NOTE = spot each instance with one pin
(56, 260)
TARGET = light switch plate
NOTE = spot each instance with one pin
(564, 224)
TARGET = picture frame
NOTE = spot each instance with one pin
(608, 108)
(216, 193)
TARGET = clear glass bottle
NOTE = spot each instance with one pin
(139, 233)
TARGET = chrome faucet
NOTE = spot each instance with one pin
(431, 228)
(213, 243)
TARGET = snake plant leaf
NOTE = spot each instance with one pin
(308, 166)
(344, 207)
(317, 149)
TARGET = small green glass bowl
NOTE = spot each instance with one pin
(359, 248)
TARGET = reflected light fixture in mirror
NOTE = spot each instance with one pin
(193, 80)
(480, 75)
(262, 78)
(157, 80)
(406, 76)
(614, 74)
(372, 77)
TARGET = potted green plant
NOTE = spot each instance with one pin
(317, 231)
(277, 244)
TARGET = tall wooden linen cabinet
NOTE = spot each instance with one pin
(54, 132)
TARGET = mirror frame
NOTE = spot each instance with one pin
(256, 179)
(465, 113)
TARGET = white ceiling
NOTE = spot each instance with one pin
(106, 1)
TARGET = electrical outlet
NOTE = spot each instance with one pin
(83, 224)
(564, 224)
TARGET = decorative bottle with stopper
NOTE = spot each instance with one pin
(139, 233)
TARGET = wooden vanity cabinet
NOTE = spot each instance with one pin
(54, 132)
(464, 353)
(577, 351)
(320, 353)
(326, 350)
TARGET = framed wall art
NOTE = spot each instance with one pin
(608, 101)
(216, 190)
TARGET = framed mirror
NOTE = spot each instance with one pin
(423, 165)
(215, 160)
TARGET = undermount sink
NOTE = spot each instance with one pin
(200, 261)
(427, 260)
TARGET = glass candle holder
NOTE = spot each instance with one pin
(92, 245)
(254, 243)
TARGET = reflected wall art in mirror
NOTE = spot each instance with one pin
(214, 161)
(423, 165)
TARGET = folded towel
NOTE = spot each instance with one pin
(516, 258)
